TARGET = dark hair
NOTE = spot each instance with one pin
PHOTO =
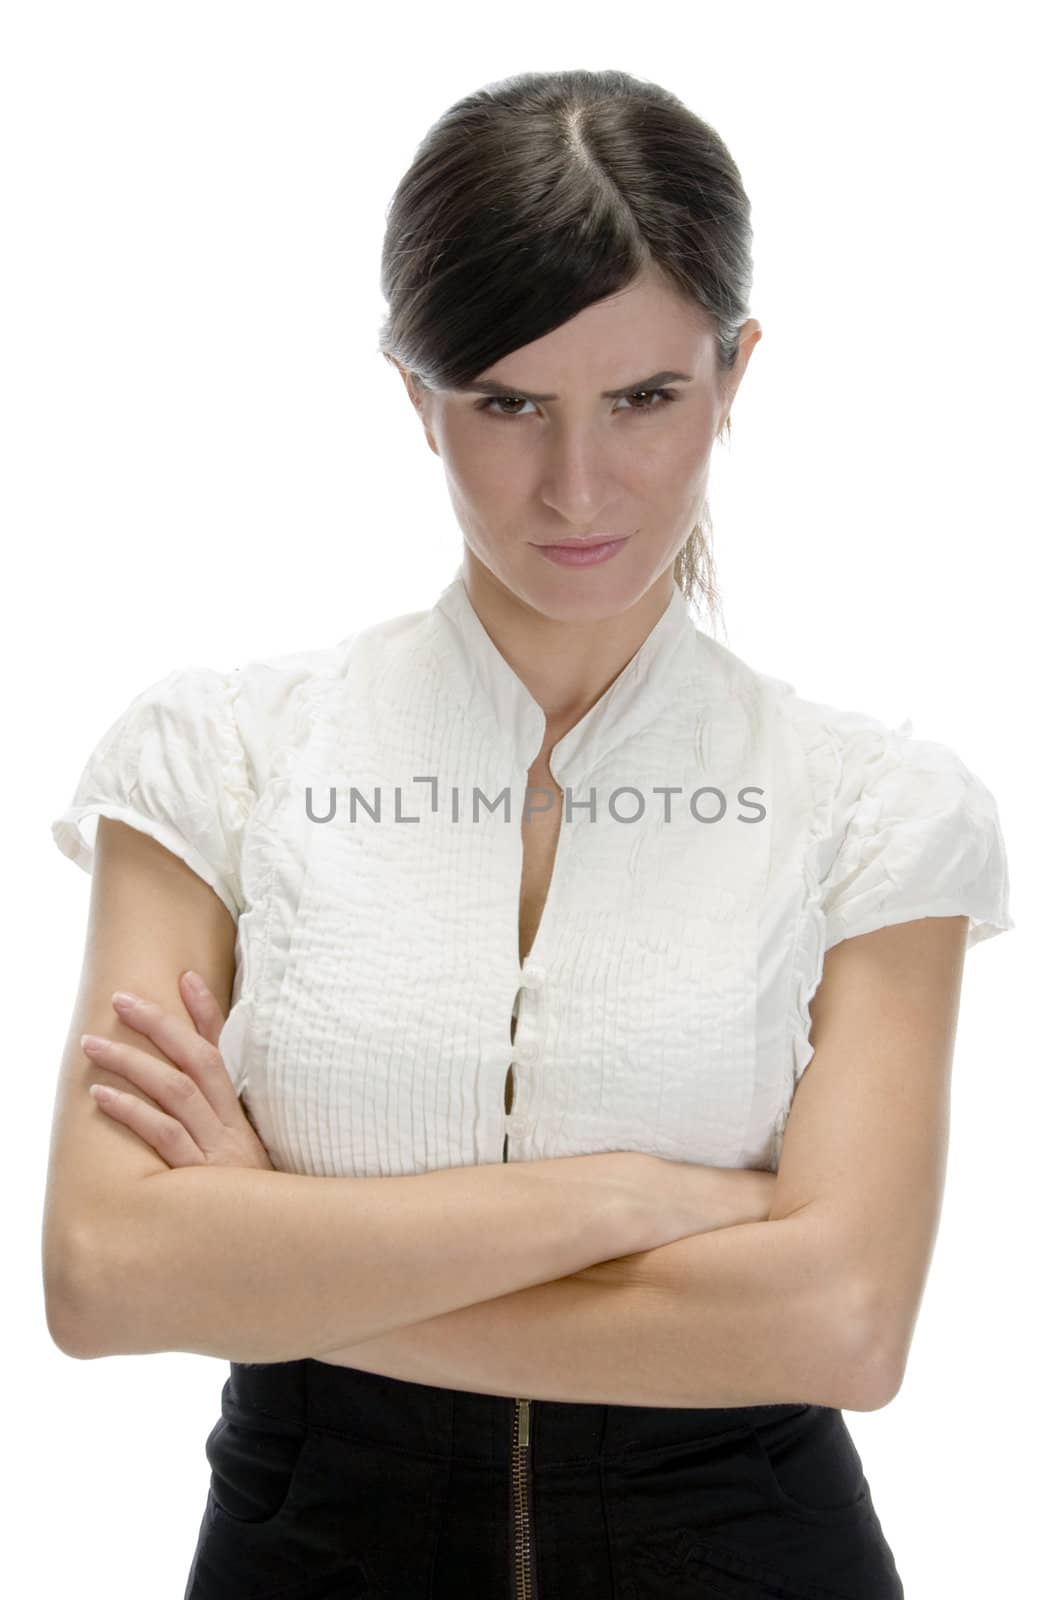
(537, 196)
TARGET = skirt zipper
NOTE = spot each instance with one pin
(521, 1479)
(524, 1538)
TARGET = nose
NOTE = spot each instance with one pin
(578, 479)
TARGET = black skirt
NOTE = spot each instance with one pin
(329, 1483)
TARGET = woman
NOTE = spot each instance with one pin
(710, 874)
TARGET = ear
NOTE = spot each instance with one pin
(404, 372)
(749, 335)
(416, 391)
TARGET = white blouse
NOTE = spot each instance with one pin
(358, 810)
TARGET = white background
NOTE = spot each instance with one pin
(206, 460)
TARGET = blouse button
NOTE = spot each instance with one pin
(528, 1051)
(532, 978)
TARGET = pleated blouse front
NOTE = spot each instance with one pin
(358, 810)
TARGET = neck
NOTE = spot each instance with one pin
(566, 666)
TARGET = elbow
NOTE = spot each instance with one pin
(77, 1300)
(863, 1374)
(68, 1333)
(855, 1370)
(70, 1322)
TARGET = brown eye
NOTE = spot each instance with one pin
(664, 396)
(501, 400)
(657, 399)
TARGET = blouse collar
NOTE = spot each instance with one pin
(483, 679)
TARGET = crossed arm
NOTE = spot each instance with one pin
(745, 1315)
(818, 1302)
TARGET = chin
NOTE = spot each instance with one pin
(571, 594)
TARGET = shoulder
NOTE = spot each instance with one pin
(851, 753)
(888, 770)
(274, 700)
(904, 828)
(856, 773)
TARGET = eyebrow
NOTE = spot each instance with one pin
(490, 386)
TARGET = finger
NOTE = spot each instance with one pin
(167, 1137)
(173, 1091)
(203, 1007)
(180, 1043)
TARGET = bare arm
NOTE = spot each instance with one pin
(273, 1266)
(758, 1313)
(337, 1257)
(867, 1140)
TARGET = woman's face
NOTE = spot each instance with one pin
(578, 462)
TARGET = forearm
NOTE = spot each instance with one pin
(744, 1315)
(261, 1266)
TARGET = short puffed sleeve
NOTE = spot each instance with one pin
(174, 766)
(919, 836)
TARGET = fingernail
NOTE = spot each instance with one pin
(121, 998)
(195, 981)
(92, 1041)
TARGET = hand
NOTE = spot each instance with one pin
(698, 1198)
(703, 1199)
(197, 1118)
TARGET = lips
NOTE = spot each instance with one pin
(582, 552)
(582, 544)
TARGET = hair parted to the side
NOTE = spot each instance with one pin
(538, 195)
